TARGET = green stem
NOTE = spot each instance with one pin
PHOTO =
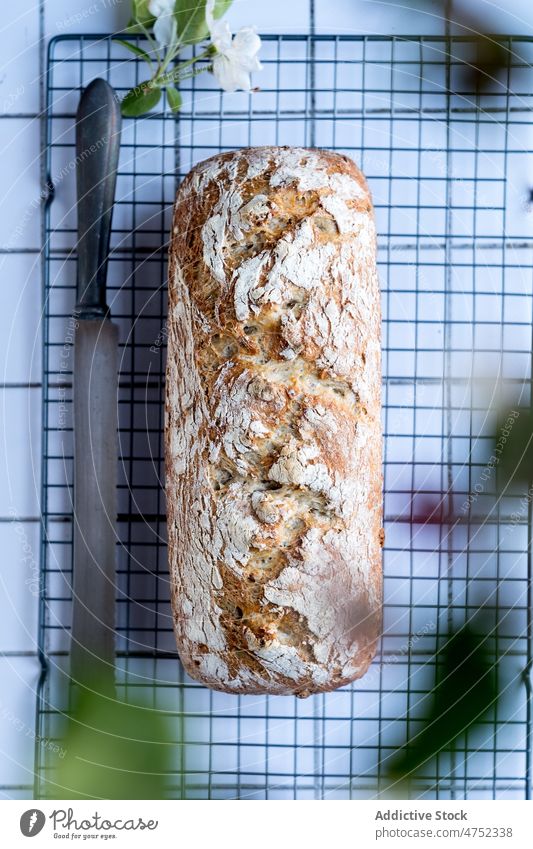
(168, 59)
(152, 41)
(171, 53)
(193, 74)
(175, 75)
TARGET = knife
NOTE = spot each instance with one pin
(95, 394)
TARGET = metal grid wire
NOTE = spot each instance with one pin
(447, 168)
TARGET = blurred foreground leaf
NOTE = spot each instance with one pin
(490, 63)
(513, 446)
(465, 690)
(113, 750)
(491, 57)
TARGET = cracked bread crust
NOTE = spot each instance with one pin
(273, 434)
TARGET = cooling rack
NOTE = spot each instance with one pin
(447, 164)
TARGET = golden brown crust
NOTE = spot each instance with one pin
(273, 439)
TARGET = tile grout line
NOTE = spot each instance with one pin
(20, 384)
(23, 520)
(19, 116)
(18, 251)
(44, 184)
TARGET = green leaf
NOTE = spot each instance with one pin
(134, 49)
(140, 100)
(512, 448)
(174, 99)
(140, 14)
(465, 691)
(132, 28)
(190, 17)
(112, 749)
(221, 7)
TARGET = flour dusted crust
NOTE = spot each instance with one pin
(273, 437)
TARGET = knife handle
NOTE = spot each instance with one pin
(98, 124)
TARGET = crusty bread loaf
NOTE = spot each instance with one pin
(273, 436)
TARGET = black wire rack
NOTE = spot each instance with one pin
(447, 165)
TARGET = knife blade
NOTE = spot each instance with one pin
(95, 385)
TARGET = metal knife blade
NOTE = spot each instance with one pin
(95, 394)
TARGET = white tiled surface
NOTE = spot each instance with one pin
(20, 351)
(26, 27)
(19, 143)
(19, 460)
(375, 17)
(17, 708)
(19, 583)
(20, 66)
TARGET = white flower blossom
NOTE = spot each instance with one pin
(165, 25)
(236, 57)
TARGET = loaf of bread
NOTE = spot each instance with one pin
(273, 435)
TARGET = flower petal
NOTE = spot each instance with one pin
(247, 42)
(209, 14)
(221, 36)
(230, 74)
(164, 30)
(161, 7)
(249, 63)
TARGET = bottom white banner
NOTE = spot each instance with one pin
(310, 823)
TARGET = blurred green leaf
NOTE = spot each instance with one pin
(513, 446)
(491, 55)
(174, 98)
(140, 100)
(113, 750)
(141, 18)
(491, 58)
(134, 49)
(464, 691)
(190, 17)
(221, 7)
